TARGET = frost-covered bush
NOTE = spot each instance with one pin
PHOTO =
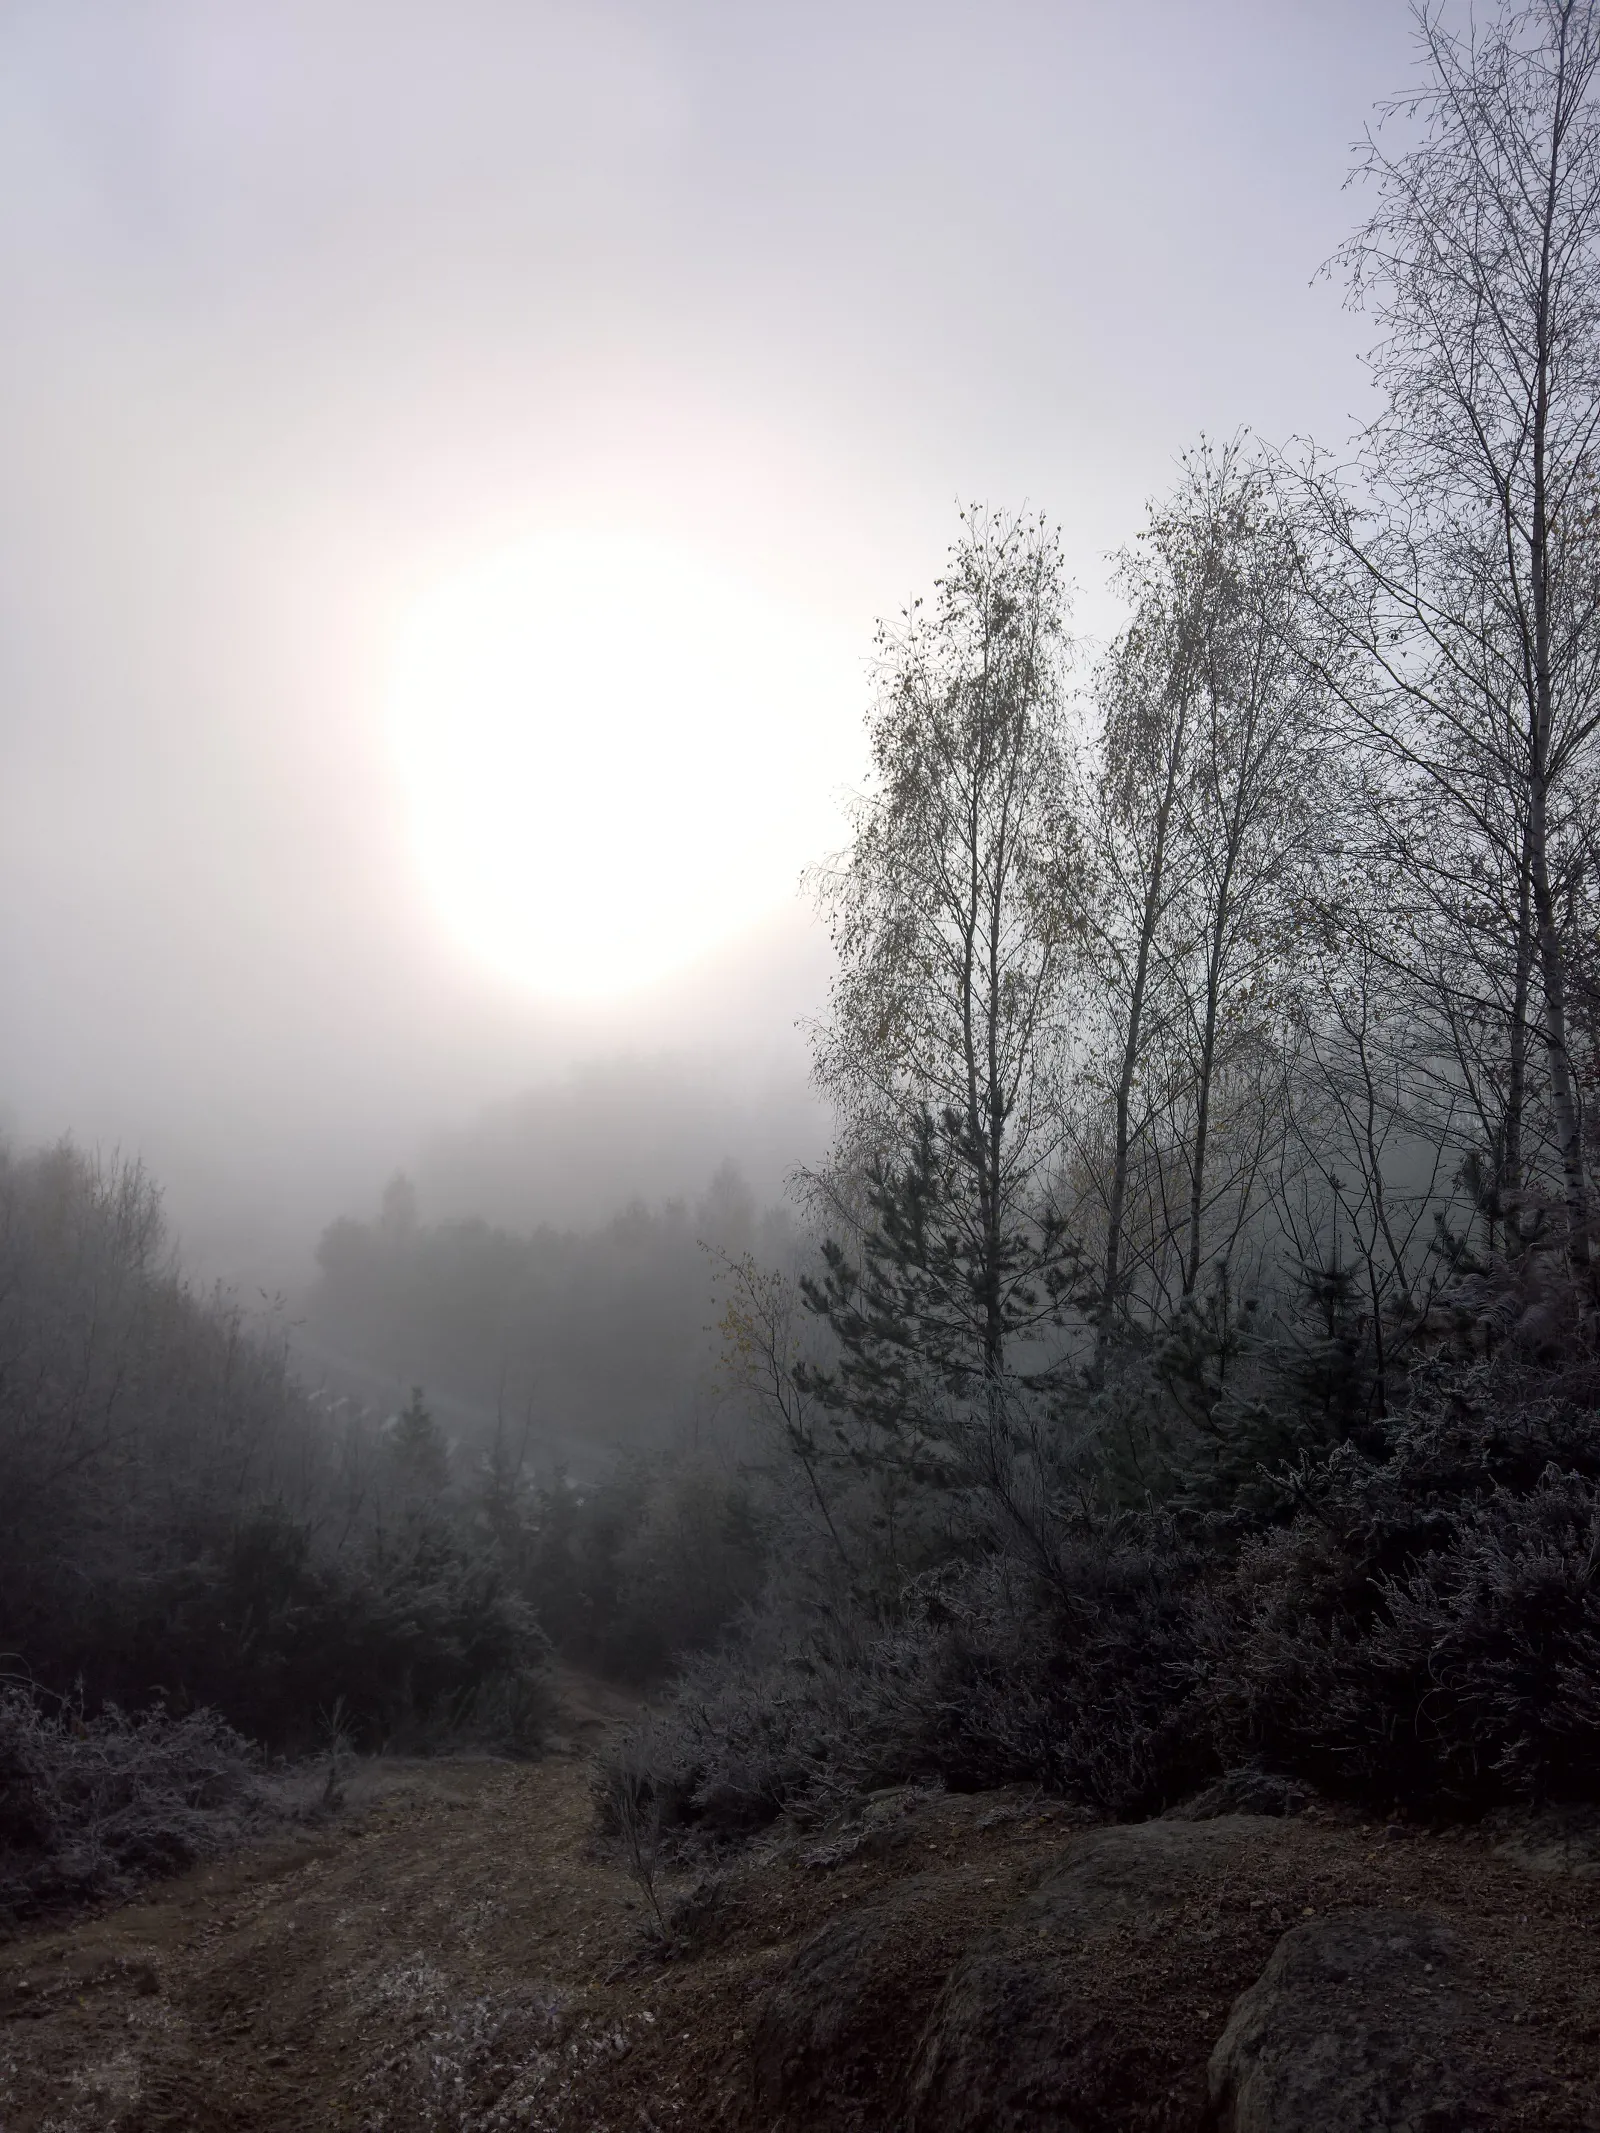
(1414, 1620)
(90, 1804)
(985, 1674)
(1427, 1630)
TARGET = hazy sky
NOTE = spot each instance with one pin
(319, 311)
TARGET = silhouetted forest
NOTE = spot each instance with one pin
(181, 1520)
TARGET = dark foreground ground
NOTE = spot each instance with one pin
(451, 1954)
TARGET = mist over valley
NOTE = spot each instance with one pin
(800, 1099)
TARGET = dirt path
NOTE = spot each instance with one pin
(356, 1977)
(451, 1954)
(365, 1974)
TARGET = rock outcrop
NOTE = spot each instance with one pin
(1016, 2043)
(1092, 2000)
(1359, 2023)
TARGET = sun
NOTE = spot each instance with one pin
(615, 756)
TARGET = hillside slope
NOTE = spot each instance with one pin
(452, 1954)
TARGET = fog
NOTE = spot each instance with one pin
(799, 909)
(314, 307)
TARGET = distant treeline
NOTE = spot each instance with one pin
(180, 1520)
(183, 1524)
(599, 1335)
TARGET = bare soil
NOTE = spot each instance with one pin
(452, 1952)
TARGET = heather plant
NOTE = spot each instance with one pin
(93, 1802)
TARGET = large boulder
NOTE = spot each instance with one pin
(1360, 2022)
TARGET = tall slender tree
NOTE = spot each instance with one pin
(1147, 687)
(954, 914)
(1207, 809)
(1465, 536)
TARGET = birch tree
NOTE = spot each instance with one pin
(954, 915)
(1463, 541)
(1209, 804)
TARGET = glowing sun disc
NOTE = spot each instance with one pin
(614, 758)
